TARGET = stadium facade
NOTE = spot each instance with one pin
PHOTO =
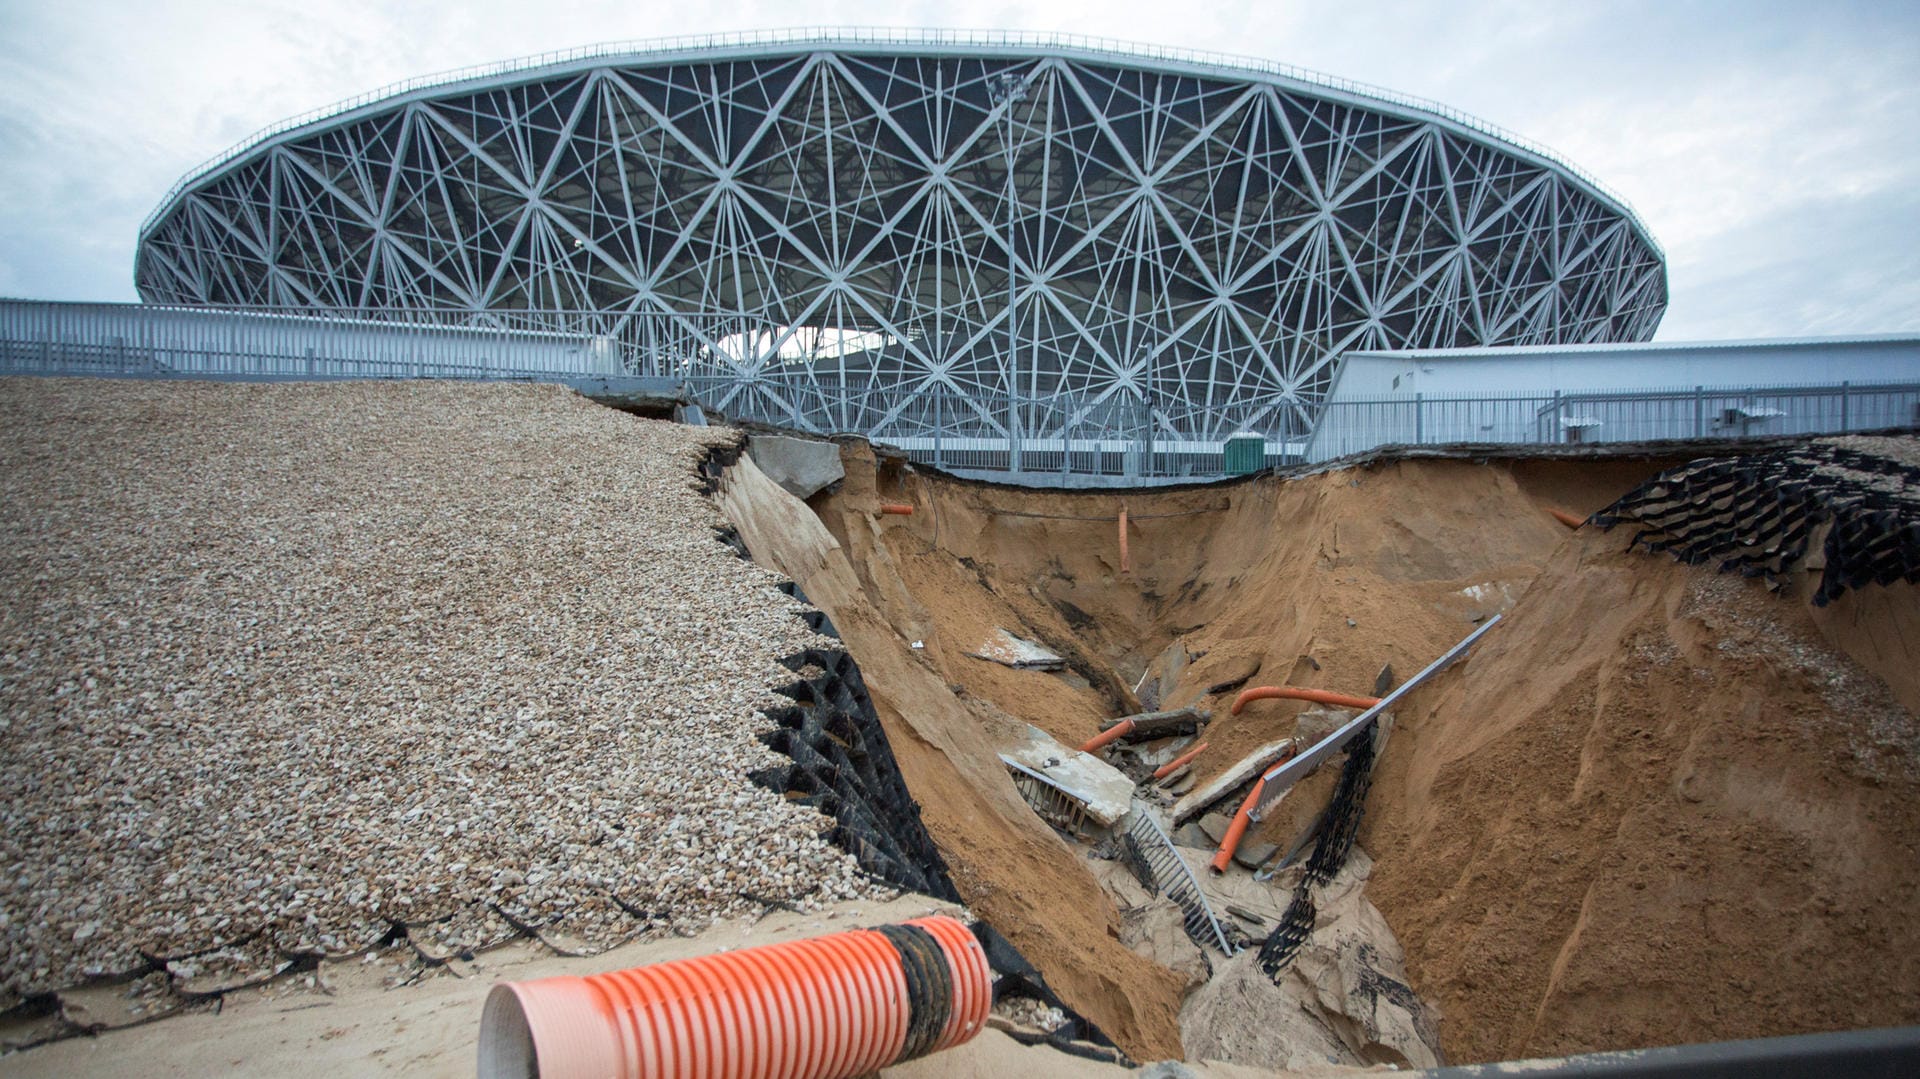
(833, 229)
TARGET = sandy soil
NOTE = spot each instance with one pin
(1656, 808)
(1653, 791)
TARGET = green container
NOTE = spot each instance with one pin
(1245, 454)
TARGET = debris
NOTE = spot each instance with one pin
(1104, 790)
(802, 466)
(1179, 762)
(1254, 855)
(1161, 724)
(1384, 682)
(1237, 830)
(1246, 915)
(1162, 676)
(1016, 652)
(1281, 778)
(1205, 795)
(1192, 835)
(1214, 827)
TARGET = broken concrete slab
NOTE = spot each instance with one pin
(1254, 855)
(1215, 825)
(1206, 794)
(1190, 835)
(1149, 725)
(1318, 721)
(1016, 652)
(802, 466)
(1106, 790)
(1162, 677)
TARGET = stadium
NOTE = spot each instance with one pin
(912, 236)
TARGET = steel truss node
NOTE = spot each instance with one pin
(818, 222)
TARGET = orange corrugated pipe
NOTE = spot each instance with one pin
(898, 509)
(1566, 518)
(1112, 733)
(1175, 764)
(1126, 561)
(1231, 841)
(841, 1005)
(1295, 693)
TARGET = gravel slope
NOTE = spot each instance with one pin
(284, 665)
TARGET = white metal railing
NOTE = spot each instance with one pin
(1048, 433)
(146, 341)
(1114, 48)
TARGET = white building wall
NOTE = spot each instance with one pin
(1619, 393)
(1798, 362)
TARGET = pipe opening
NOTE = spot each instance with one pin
(506, 1041)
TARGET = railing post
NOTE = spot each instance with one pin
(1844, 386)
(1143, 415)
(1699, 412)
(1014, 420)
(1419, 419)
(939, 422)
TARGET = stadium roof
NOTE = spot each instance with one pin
(858, 39)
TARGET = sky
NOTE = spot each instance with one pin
(1772, 148)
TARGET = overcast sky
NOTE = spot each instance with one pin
(1773, 148)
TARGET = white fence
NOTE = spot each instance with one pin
(1060, 435)
(148, 341)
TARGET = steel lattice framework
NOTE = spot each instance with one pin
(822, 219)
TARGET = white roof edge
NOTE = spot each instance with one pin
(1478, 353)
(858, 37)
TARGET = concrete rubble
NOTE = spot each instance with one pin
(803, 467)
(1017, 652)
(1106, 791)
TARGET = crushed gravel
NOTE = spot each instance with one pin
(285, 666)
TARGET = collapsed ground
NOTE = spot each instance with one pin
(1658, 805)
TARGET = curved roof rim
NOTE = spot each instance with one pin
(762, 42)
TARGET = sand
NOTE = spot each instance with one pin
(1651, 793)
(1656, 808)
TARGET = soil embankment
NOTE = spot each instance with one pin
(1660, 809)
(1598, 833)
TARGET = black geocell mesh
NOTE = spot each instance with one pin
(1756, 515)
(1338, 827)
(842, 766)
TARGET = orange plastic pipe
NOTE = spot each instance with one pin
(1295, 693)
(841, 1005)
(1238, 828)
(1566, 518)
(1126, 560)
(1111, 734)
(1179, 762)
(898, 509)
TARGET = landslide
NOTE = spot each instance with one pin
(1664, 806)
(1317, 581)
